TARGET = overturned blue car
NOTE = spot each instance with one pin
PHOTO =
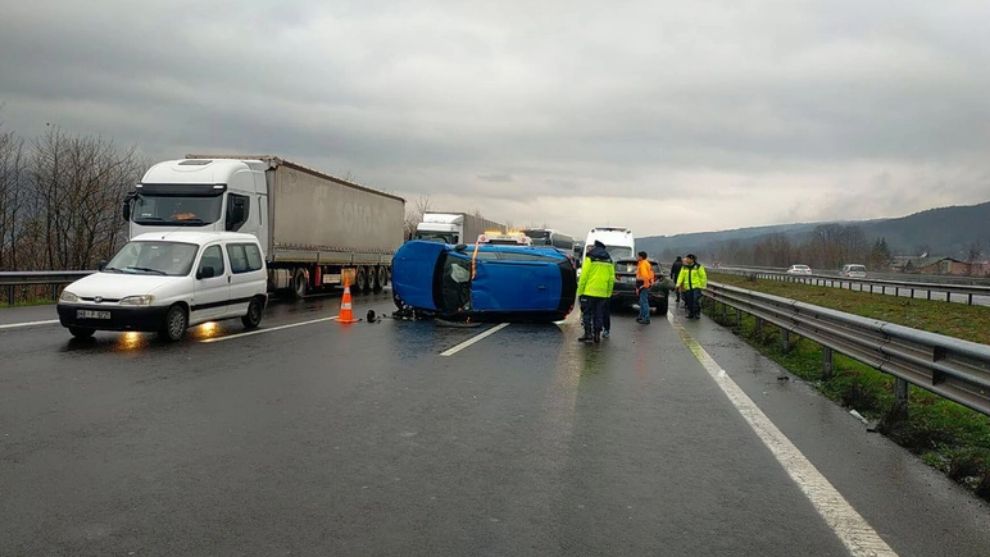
(483, 282)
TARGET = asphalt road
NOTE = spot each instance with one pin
(325, 439)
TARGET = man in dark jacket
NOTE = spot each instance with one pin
(675, 271)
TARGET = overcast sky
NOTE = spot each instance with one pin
(666, 117)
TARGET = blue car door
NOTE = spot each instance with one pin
(413, 273)
(516, 281)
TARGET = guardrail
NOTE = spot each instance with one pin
(881, 285)
(956, 369)
(10, 281)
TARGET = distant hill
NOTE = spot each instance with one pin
(948, 231)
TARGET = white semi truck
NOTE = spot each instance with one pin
(310, 225)
(455, 228)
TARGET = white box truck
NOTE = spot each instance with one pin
(311, 225)
(455, 228)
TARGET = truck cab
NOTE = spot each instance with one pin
(446, 228)
(201, 195)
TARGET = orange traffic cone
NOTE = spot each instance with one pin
(346, 309)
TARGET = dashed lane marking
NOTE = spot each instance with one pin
(851, 528)
(474, 339)
(268, 330)
(29, 324)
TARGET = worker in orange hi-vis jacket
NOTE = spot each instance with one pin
(644, 280)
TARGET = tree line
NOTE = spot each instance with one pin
(60, 199)
(827, 246)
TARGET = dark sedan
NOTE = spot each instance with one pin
(625, 295)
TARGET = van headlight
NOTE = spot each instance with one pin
(68, 297)
(137, 301)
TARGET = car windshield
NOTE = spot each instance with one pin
(153, 258)
(857, 269)
(619, 252)
(193, 210)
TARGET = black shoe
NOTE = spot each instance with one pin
(585, 339)
(598, 338)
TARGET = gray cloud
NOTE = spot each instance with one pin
(666, 116)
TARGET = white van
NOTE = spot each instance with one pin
(619, 242)
(167, 282)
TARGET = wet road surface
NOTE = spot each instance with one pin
(352, 440)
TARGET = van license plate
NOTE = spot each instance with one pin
(90, 314)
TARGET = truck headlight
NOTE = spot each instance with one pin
(68, 297)
(137, 301)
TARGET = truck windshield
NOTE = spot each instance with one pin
(153, 258)
(442, 237)
(191, 210)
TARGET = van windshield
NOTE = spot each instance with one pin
(153, 258)
(619, 252)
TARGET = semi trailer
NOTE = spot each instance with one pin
(311, 226)
(455, 228)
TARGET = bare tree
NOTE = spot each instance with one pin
(973, 256)
(414, 215)
(12, 195)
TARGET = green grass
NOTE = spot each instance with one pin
(946, 435)
(952, 319)
(27, 303)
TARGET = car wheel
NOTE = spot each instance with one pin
(175, 325)
(662, 307)
(81, 332)
(252, 318)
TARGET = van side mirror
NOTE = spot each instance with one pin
(205, 273)
(101, 265)
(125, 210)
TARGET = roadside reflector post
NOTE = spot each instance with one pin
(828, 368)
(970, 302)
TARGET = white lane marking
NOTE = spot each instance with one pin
(851, 528)
(29, 324)
(268, 330)
(474, 339)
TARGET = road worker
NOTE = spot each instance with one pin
(595, 290)
(675, 271)
(690, 282)
(644, 280)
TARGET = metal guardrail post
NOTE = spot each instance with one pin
(785, 340)
(900, 398)
(828, 367)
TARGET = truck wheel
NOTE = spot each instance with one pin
(175, 324)
(300, 284)
(380, 279)
(252, 318)
(361, 281)
(81, 332)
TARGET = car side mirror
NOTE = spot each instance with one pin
(205, 273)
(460, 247)
(101, 265)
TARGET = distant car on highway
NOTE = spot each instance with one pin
(799, 270)
(624, 294)
(853, 271)
(168, 281)
(483, 281)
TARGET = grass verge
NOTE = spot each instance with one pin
(947, 436)
(952, 319)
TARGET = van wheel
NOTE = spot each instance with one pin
(300, 284)
(252, 318)
(81, 332)
(175, 325)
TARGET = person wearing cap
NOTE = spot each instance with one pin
(691, 281)
(645, 278)
(595, 291)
